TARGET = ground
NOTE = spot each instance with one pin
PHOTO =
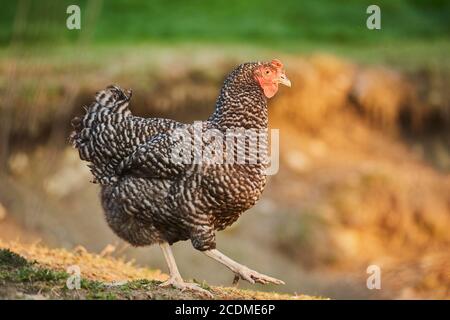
(37, 272)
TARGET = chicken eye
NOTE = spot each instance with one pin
(267, 72)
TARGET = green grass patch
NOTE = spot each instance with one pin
(15, 268)
(11, 259)
(253, 21)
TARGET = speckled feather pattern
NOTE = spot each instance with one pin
(149, 199)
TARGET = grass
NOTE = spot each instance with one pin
(11, 259)
(44, 279)
(17, 269)
(254, 21)
(414, 34)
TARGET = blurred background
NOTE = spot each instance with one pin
(364, 131)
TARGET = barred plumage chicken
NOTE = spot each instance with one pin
(148, 197)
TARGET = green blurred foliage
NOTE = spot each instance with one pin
(252, 21)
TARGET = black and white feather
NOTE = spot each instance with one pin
(149, 199)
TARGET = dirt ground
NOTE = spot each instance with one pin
(43, 275)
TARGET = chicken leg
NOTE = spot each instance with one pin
(241, 270)
(175, 279)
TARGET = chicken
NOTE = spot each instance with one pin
(149, 196)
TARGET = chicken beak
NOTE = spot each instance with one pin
(284, 80)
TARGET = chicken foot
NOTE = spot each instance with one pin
(241, 270)
(175, 279)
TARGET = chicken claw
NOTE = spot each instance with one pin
(240, 270)
(181, 285)
(253, 276)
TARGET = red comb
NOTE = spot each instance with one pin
(276, 63)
